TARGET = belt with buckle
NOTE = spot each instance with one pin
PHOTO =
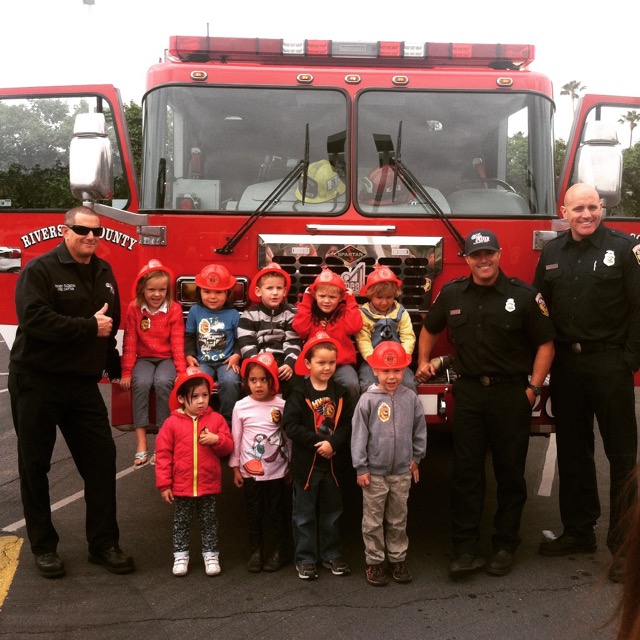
(588, 347)
(487, 381)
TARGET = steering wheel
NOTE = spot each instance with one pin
(496, 181)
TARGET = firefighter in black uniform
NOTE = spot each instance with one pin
(590, 278)
(504, 347)
(68, 315)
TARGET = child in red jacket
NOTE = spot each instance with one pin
(329, 306)
(153, 349)
(188, 473)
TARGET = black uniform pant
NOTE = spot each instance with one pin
(38, 404)
(497, 417)
(584, 385)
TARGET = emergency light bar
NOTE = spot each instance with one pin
(205, 49)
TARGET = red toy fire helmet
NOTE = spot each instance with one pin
(191, 372)
(215, 277)
(273, 268)
(378, 188)
(152, 265)
(326, 276)
(379, 274)
(268, 362)
(389, 355)
(301, 368)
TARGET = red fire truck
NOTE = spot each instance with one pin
(311, 153)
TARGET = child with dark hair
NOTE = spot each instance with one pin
(329, 306)
(260, 460)
(210, 338)
(317, 419)
(188, 471)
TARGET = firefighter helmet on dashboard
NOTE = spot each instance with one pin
(323, 183)
(378, 188)
(215, 277)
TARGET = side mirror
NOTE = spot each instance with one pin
(599, 161)
(90, 165)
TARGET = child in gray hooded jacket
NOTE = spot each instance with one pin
(389, 438)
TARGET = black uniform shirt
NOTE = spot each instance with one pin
(495, 329)
(592, 288)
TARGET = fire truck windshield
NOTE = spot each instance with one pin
(476, 153)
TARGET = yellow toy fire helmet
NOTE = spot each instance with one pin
(323, 183)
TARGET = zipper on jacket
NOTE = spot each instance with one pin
(195, 456)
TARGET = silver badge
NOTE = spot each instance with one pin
(510, 305)
(609, 258)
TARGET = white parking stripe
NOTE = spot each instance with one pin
(549, 469)
(63, 503)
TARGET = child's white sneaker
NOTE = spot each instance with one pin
(180, 565)
(211, 563)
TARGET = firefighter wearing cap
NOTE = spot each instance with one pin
(328, 306)
(590, 278)
(210, 335)
(383, 318)
(503, 335)
(268, 324)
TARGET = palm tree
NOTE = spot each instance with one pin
(572, 89)
(632, 117)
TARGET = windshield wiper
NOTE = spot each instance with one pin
(384, 147)
(302, 168)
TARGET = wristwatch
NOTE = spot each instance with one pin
(536, 390)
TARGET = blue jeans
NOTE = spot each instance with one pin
(228, 387)
(313, 533)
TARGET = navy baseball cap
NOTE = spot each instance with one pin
(481, 240)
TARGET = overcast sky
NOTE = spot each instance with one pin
(114, 41)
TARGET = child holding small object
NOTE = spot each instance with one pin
(260, 460)
(153, 349)
(188, 471)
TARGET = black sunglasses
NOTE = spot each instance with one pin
(81, 230)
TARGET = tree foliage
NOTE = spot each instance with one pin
(632, 117)
(572, 89)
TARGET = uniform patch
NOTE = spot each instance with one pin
(384, 412)
(609, 258)
(542, 305)
(636, 252)
(510, 305)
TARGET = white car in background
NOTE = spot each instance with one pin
(10, 259)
